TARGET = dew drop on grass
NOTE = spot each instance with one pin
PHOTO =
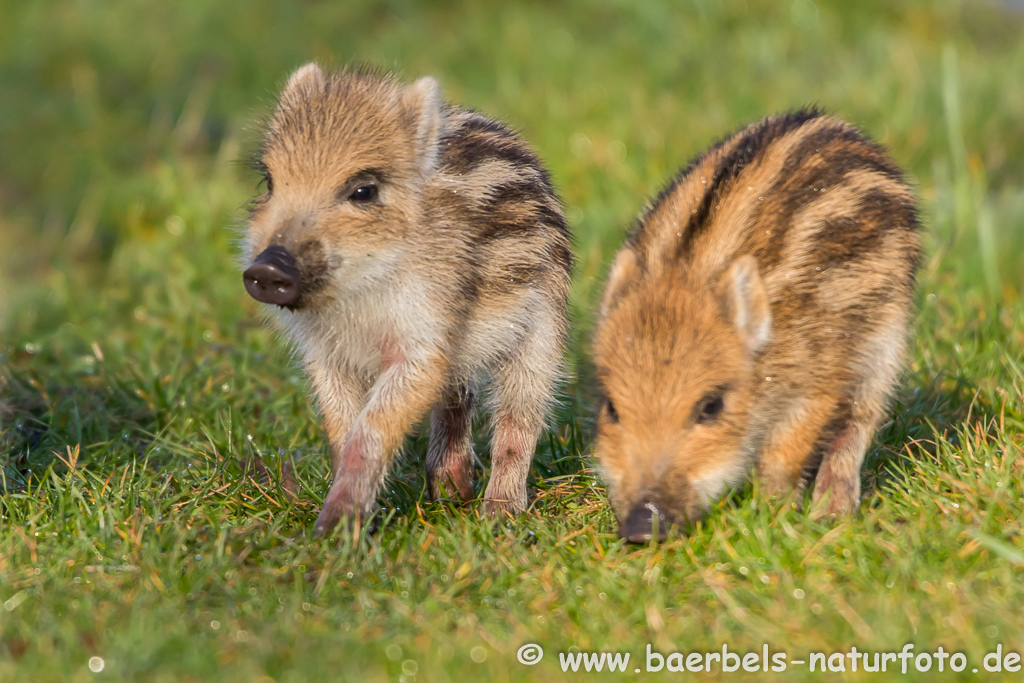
(96, 664)
(798, 594)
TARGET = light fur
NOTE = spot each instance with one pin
(456, 274)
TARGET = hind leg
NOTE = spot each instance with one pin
(450, 453)
(837, 486)
(523, 388)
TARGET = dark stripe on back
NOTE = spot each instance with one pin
(751, 145)
(836, 151)
(752, 142)
(864, 153)
(502, 215)
(478, 139)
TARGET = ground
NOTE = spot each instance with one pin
(148, 419)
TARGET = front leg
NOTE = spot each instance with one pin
(339, 395)
(407, 386)
(791, 442)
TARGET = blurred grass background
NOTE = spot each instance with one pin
(127, 340)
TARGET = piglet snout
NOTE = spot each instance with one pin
(273, 277)
(645, 522)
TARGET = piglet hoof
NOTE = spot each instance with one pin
(353, 526)
(830, 507)
(502, 508)
(326, 521)
(340, 513)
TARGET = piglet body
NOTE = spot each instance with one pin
(411, 250)
(756, 319)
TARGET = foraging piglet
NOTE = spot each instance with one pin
(756, 318)
(410, 248)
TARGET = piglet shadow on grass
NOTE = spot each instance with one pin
(41, 417)
(919, 416)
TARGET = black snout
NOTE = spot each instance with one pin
(644, 522)
(273, 277)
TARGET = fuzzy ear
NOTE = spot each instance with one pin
(306, 77)
(747, 303)
(624, 270)
(422, 100)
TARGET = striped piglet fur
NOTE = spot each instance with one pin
(756, 320)
(426, 257)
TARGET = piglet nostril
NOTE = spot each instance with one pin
(644, 522)
(273, 277)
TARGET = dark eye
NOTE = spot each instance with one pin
(363, 193)
(268, 182)
(609, 409)
(709, 408)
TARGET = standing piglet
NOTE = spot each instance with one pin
(756, 319)
(410, 249)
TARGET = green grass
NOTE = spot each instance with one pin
(139, 393)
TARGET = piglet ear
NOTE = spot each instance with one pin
(625, 270)
(422, 101)
(746, 302)
(304, 79)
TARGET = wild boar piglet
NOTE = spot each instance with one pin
(410, 249)
(756, 319)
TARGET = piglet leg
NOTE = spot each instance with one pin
(450, 453)
(837, 486)
(523, 390)
(404, 391)
(792, 441)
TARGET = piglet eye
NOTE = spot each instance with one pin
(363, 193)
(709, 408)
(609, 409)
